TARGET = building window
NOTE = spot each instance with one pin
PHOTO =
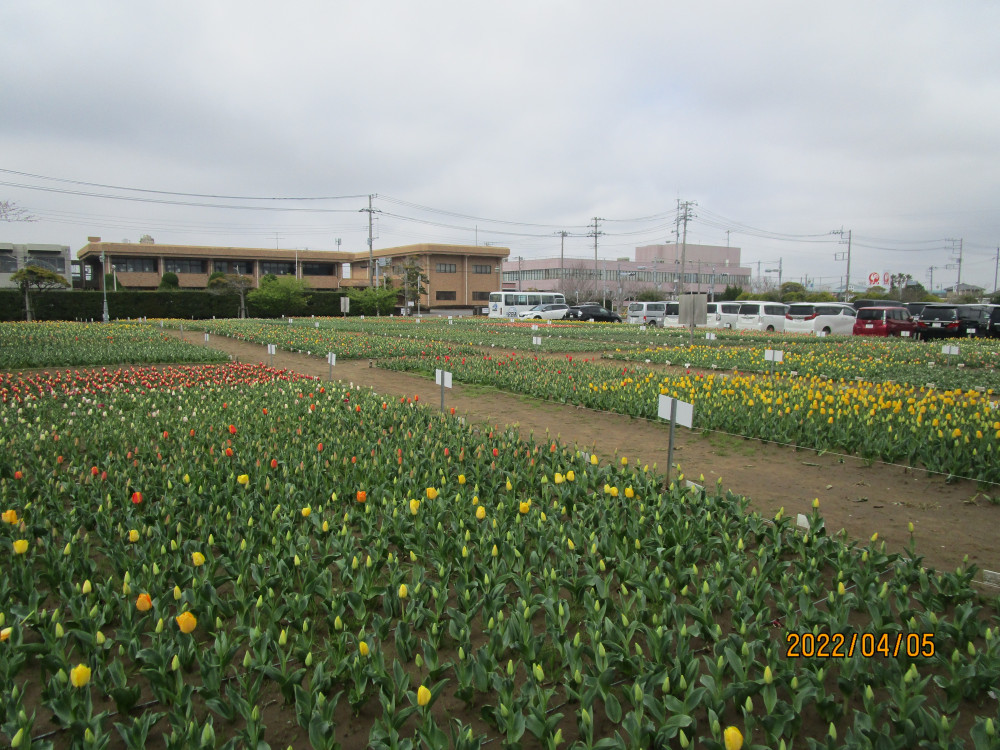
(476, 268)
(8, 263)
(480, 296)
(234, 267)
(445, 296)
(278, 268)
(446, 268)
(183, 265)
(134, 265)
(318, 269)
(52, 262)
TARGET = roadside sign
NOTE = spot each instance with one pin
(873, 278)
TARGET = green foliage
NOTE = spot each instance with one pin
(280, 296)
(169, 280)
(32, 280)
(215, 276)
(371, 301)
(414, 281)
(730, 294)
(650, 295)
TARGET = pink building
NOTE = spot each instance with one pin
(708, 268)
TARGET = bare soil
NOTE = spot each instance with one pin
(951, 520)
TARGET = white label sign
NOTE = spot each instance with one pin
(534, 327)
(331, 358)
(444, 375)
(952, 350)
(271, 348)
(774, 355)
(685, 411)
(710, 336)
(536, 340)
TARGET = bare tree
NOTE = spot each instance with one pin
(10, 211)
(235, 284)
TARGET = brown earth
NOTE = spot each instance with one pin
(951, 520)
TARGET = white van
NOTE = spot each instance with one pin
(723, 314)
(820, 317)
(653, 313)
(761, 316)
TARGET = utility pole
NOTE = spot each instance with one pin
(840, 256)
(519, 259)
(371, 256)
(595, 234)
(956, 250)
(685, 217)
(562, 253)
(931, 272)
(995, 269)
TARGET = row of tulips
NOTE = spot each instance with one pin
(204, 549)
(69, 344)
(954, 432)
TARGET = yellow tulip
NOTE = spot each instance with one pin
(197, 559)
(423, 696)
(480, 512)
(79, 675)
(243, 479)
(20, 546)
(186, 622)
(402, 591)
(363, 648)
(733, 738)
(133, 535)
(432, 493)
(414, 507)
(306, 511)
(461, 478)
(524, 507)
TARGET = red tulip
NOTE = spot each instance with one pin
(136, 498)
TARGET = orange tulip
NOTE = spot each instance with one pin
(186, 622)
(144, 603)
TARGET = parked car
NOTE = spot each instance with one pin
(885, 321)
(939, 322)
(761, 316)
(593, 312)
(723, 314)
(553, 311)
(916, 308)
(973, 320)
(826, 318)
(646, 313)
(994, 329)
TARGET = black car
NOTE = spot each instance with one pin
(939, 321)
(916, 308)
(593, 312)
(974, 320)
(994, 329)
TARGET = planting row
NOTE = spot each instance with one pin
(954, 432)
(178, 557)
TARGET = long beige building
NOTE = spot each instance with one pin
(459, 275)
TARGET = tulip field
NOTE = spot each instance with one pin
(229, 555)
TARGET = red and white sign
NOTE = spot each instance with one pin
(886, 278)
(873, 278)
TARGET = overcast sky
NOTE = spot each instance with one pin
(508, 122)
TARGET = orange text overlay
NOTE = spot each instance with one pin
(845, 645)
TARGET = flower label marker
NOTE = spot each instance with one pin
(677, 412)
(710, 336)
(991, 577)
(450, 321)
(801, 521)
(536, 340)
(442, 378)
(951, 351)
(206, 337)
(642, 328)
(331, 359)
(772, 356)
(271, 348)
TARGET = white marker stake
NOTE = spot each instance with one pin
(443, 378)
(536, 340)
(772, 356)
(331, 359)
(677, 412)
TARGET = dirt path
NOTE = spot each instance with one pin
(950, 520)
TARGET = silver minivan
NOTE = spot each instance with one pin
(653, 313)
(761, 316)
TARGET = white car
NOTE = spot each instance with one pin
(761, 316)
(723, 314)
(554, 311)
(820, 318)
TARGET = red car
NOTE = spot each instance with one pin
(885, 321)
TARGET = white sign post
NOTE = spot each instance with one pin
(331, 359)
(206, 337)
(271, 348)
(536, 340)
(442, 378)
(772, 356)
(678, 412)
(710, 336)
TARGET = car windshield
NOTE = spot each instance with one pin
(939, 313)
(870, 313)
(794, 310)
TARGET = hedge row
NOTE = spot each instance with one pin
(84, 305)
